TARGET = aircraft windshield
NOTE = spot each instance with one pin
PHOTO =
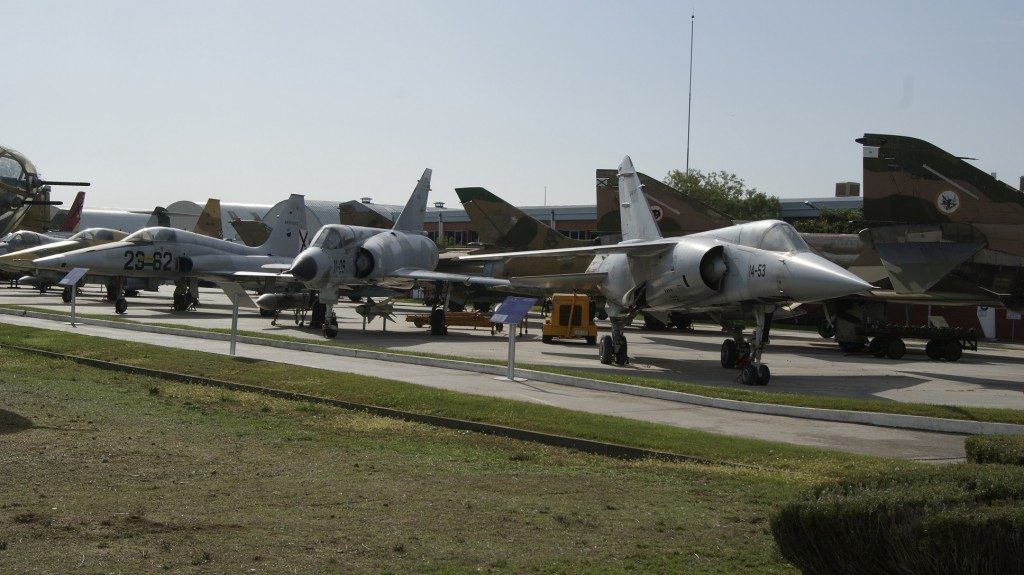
(150, 235)
(332, 238)
(11, 171)
(84, 235)
(783, 238)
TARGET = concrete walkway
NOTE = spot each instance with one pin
(852, 438)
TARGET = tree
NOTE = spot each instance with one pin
(831, 222)
(726, 192)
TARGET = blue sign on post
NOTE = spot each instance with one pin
(511, 312)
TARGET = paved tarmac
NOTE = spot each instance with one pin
(801, 362)
(853, 438)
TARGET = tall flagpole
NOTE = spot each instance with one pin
(689, 100)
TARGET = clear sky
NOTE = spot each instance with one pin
(249, 101)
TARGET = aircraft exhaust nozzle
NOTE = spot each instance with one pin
(304, 268)
(810, 277)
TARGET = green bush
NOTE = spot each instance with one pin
(1008, 449)
(957, 519)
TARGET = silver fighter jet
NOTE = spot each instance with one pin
(188, 257)
(759, 266)
(343, 257)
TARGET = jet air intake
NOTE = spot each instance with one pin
(382, 254)
(713, 268)
(694, 271)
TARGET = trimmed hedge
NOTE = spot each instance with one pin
(1008, 449)
(958, 519)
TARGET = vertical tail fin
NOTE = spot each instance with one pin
(637, 221)
(415, 210)
(503, 225)
(286, 239)
(74, 214)
(160, 217)
(209, 222)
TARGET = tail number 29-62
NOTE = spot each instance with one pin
(137, 261)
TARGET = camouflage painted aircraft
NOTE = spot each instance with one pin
(21, 188)
(941, 226)
(504, 227)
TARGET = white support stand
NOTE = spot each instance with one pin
(74, 296)
(511, 376)
(71, 282)
(234, 327)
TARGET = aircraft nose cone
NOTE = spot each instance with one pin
(813, 278)
(304, 268)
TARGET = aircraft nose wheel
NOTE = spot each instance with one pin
(331, 327)
(605, 351)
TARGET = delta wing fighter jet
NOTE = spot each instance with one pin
(188, 257)
(347, 258)
(759, 266)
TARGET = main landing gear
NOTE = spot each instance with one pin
(613, 348)
(330, 323)
(186, 294)
(746, 353)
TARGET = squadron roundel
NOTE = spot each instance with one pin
(948, 202)
(657, 213)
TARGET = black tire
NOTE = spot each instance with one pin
(331, 328)
(730, 353)
(748, 375)
(933, 349)
(896, 348)
(764, 375)
(592, 340)
(604, 351)
(120, 305)
(826, 330)
(879, 347)
(65, 294)
(180, 302)
(437, 326)
(622, 356)
(547, 338)
(952, 350)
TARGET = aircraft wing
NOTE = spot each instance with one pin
(416, 274)
(584, 282)
(635, 249)
(256, 275)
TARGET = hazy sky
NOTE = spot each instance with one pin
(247, 101)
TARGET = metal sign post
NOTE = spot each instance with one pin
(512, 312)
(71, 282)
(239, 298)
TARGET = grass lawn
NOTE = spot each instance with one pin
(128, 474)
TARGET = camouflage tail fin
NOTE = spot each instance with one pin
(676, 213)
(209, 222)
(907, 180)
(503, 225)
(74, 214)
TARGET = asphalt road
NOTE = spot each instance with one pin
(839, 436)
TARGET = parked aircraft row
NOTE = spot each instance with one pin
(760, 270)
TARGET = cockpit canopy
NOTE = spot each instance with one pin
(333, 237)
(151, 235)
(15, 171)
(97, 234)
(22, 239)
(771, 235)
(782, 237)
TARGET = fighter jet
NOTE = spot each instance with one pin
(188, 257)
(760, 266)
(24, 239)
(343, 259)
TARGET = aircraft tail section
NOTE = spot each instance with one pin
(160, 217)
(209, 222)
(910, 181)
(74, 215)
(287, 237)
(637, 221)
(676, 213)
(411, 219)
(500, 224)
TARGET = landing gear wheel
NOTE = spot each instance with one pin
(826, 330)
(592, 340)
(605, 351)
(934, 349)
(730, 353)
(878, 347)
(748, 375)
(621, 357)
(437, 324)
(180, 301)
(66, 294)
(547, 338)
(764, 375)
(896, 348)
(120, 305)
(952, 351)
(331, 327)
